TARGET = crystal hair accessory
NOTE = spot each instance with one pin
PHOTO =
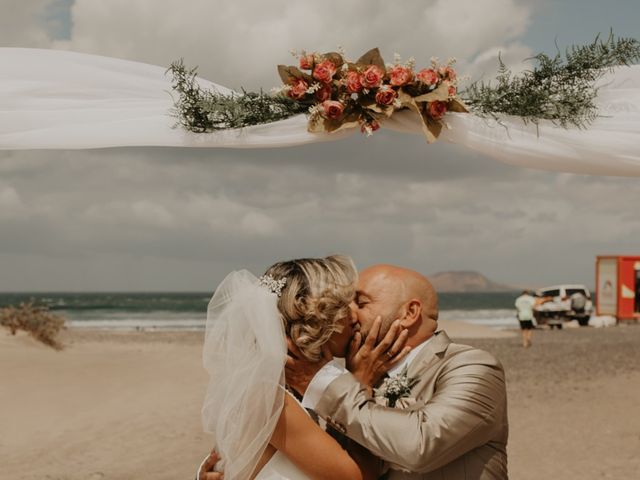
(274, 286)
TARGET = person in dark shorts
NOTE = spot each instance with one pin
(524, 306)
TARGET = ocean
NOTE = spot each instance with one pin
(187, 311)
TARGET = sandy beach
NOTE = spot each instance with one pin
(125, 405)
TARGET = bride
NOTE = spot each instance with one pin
(261, 431)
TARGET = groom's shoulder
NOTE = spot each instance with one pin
(461, 354)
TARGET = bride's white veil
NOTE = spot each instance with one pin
(244, 354)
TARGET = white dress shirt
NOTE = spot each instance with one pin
(333, 369)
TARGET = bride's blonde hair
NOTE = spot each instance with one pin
(315, 299)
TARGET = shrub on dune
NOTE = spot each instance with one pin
(37, 320)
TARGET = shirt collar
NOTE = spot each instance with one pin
(397, 368)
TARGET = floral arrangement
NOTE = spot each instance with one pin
(338, 94)
(341, 94)
(396, 388)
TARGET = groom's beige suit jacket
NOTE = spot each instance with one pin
(453, 426)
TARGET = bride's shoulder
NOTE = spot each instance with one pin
(291, 399)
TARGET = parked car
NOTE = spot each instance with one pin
(561, 303)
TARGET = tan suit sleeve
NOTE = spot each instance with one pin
(463, 413)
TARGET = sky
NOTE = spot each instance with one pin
(178, 219)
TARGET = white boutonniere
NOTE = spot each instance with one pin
(395, 388)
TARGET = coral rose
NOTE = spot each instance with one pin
(437, 110)
(332, 109)
(324, 93)
(386, 95)
(306, 61)
(353, 82)
(369, 127)
(452, 90)
(428, 76)
(400, 75)
(298, 89)
(324, 71)
(372, 77)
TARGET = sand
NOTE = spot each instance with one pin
(125, 405)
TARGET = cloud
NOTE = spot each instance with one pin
(24, 23)
(169, 218)
(239, 44)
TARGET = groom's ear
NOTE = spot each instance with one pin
(413, 312)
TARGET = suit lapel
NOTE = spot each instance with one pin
(430, 354)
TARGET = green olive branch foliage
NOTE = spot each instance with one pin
(200, 110)
(558, 89)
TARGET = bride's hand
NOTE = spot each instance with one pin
(299, 371)
(206, 469)
(369, 362)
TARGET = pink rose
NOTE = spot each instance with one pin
(400, 75)
(386, 95)
(372, 77)
(298, 89)
(323, 93)
(306, 62)
(370, 127)
(332, 109)
(354, 82)
(428, 76)
(437, 109)
(447, 73)
(324, 71)
(452, 90)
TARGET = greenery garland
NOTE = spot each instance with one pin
(558, 89)
(199, 110)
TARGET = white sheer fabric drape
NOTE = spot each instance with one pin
(244, 354)
(64, 100)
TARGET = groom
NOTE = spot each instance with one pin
(449, 421)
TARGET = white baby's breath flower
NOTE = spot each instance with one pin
(397, 59)
(451, 61)
(315, 109)
(434, 61)
(411, 63)
(275, 91)
(314, 88)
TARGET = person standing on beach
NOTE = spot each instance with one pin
(524, 306)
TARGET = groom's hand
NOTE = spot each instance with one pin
(299, 371)
(368, 361)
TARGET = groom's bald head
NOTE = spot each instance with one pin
(394, 292)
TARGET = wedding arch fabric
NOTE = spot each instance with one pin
(244, 354)
(51, 99)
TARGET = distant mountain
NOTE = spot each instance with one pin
(466, 281)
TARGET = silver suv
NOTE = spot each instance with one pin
(560, 303)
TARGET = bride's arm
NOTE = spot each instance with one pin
(311, 448)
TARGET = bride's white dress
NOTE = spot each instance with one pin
(280, 467)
